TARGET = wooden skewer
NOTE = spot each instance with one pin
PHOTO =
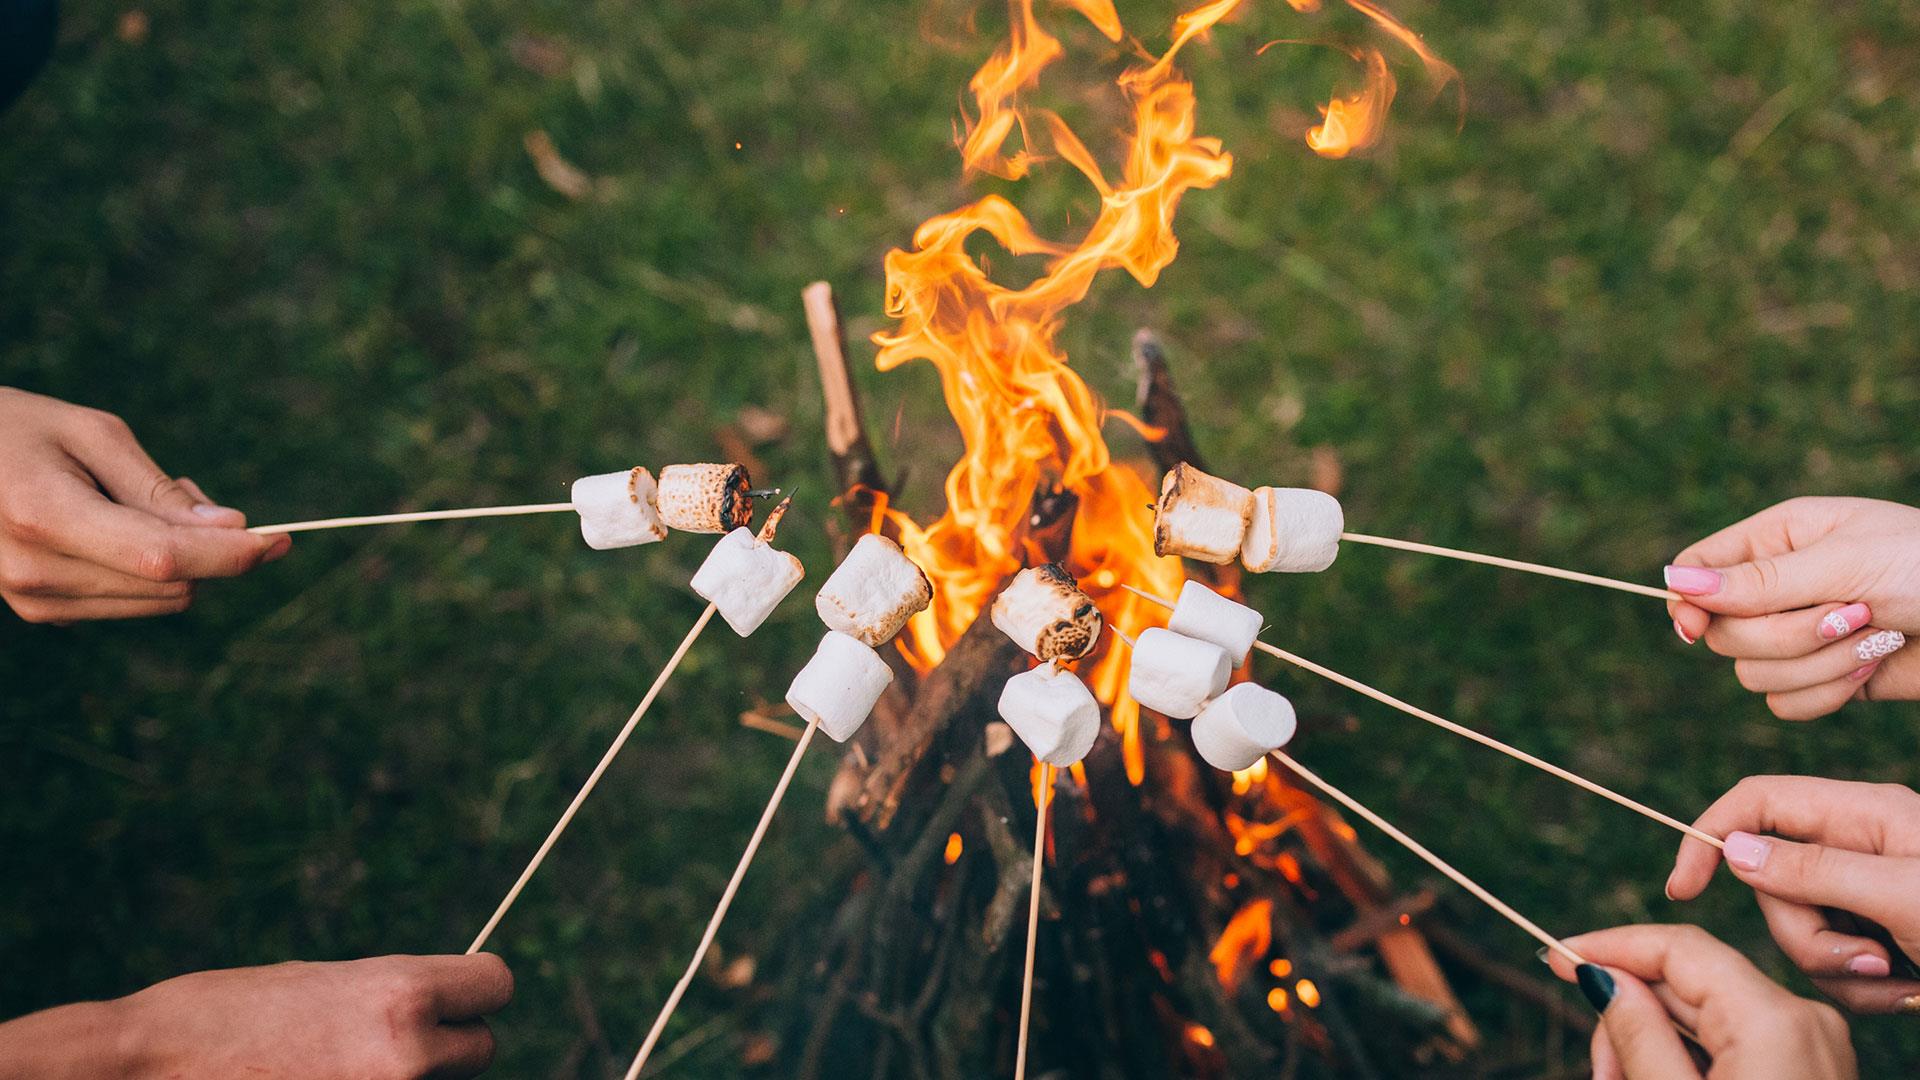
(401, 519)
(1436, 861)
(726, 901)
(1033, 916)
(1513, 564)
(586, 789)
(766, 533)
(1468, 733)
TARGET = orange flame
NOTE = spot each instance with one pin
(1248, 936)
(1355, 122)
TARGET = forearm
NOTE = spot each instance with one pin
(93, 1040)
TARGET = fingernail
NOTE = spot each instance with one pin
(1879, 644)
(1668, 890)
(281, 545)
(206, 510)
(1596, 984)
(1746, 851)
(1843, 621)
(1862, 674)
(1540, 954)
(1682, 631)
(1693, 580)
(1869, 965)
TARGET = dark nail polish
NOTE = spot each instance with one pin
(1596, 984)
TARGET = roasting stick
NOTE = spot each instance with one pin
(422, 515)
(1513, 564)
(613, 751)
(1033, 916)
(1468, 733)
(1436, 861)
(726, 901)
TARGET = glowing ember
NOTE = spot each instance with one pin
(1248, 936)
(954, 847)
(1308, 993)
(1199, 1035)
(1277, 999)
(1281, 968)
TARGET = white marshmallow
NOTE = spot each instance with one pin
(873, 592)
(746, 579)
(617, 510)
(1045, 613)
(1294, 531)
(1053, 712)
(840, 685)
(1240, 726)
(1175, 674)
(1200, 516)
(1205, 614)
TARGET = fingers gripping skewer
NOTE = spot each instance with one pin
(613, 751)
(1513, 564)
(1033, 915)
(726, 901)
(1436, 861)
(1468, 733)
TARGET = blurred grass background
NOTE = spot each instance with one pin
(1663, 275)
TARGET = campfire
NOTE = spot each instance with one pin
(1194, 923)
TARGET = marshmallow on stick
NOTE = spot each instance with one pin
(705, 498)
(618, 510)
(1176, 675)
(1045, 613)
(1053, 712)
(866, 601)
(1205, 614)
(1200, 517)
(746, 578)
(1294, 531)
(1242, 726)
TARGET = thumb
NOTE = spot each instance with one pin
(1764, 586)
(1879, 888)
(1641, 1033)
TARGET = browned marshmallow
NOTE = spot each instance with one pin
(874, 592)
(1200, 516)
(1045, 613)
(705, 498)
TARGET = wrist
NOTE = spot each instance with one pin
(83, 1041)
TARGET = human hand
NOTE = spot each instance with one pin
(1861, 858)
(1649, 977)
(397, 1017)
(1812, 598)
(91, 528)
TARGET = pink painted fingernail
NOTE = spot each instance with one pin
(1862, 674)
(1880, 644)
(1871, 966)
(1746, 851)
(1693, 580)
(1843, 621)
(1682, 631)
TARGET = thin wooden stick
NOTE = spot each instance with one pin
(422, 515)
(1436, 861)
(586, 789)
(1468, 733)
(1033, 916)
(726, 901)
(1513, 564)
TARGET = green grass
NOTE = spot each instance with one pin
(1664, 275)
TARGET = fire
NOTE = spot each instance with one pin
(1356, 121)
(1248, 936)
(955, 847)
(1028, 421)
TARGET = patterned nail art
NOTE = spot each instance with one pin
(1876, 645)
(1909, 1005)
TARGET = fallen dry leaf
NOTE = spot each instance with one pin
(560, 174)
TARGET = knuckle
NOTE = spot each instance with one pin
(158, 563)
(106, 423)
(1766, 576)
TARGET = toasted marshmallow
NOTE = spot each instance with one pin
(1175, 674)
(873, 593)
(1045, 613)
(617, 510)
(1294, 531)
(840, 685)
(705, 498)
(1205, 614)
(746, 578)
(1242, 725)
(1053, 712)
(1200, 516)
